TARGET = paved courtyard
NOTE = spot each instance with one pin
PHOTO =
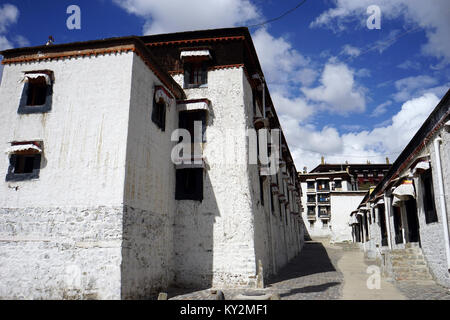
(324, 271)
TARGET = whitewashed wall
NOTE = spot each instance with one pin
(215, 238)
(342, 204)
(60, 235)
(149, 199)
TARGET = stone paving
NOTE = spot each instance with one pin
(312, 275)
(418, 291)
(323, 271)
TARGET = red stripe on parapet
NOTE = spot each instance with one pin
(190, 41)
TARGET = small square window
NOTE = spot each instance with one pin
(37, 92)
(195, 74)
(23, 167)
(189, 184)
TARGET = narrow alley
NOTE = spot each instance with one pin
(324, 271)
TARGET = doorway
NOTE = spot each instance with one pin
(398, 225)
(413, 221)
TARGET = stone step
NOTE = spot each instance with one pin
(413, 262)
(412, 245)
(408, 256)
(412, 276)
(410, 268)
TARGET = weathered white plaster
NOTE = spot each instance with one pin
(342, 204)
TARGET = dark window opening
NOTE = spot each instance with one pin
(272, 208)
(254, 102)
(338, 184)
(261, 189)
(187, 121)
(382, 222)
(398, 225)
(428, 198)
(189, 184)
(37, 91)
(159, 114)
(195, 74)
(23, 167)
(281, 212)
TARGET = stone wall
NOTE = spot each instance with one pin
(431, 235)
(60, 253)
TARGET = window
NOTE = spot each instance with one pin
(254, 102)
(311, 211)
(324, 198)
(261, 189)
(311, 198)
(428, 198)
(310, 185)
(324, 224)
(311, 224)
(189, 184)
(272, 208)
(24, 162)
(323, 185)
(159, 114)
(37, 92)
(187, 121)
(324, 211)
(195, 74)
(338, 184)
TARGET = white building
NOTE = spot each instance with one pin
(330, 192)
(407, 215)
(92, 205)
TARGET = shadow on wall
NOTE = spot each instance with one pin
(312, 259)
(194, 240)
(307, 236)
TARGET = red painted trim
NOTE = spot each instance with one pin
(153, 44)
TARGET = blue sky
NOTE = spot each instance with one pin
(341, 90)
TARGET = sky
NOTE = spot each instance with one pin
(342, 89)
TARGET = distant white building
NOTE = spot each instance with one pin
(330, 192)
(92, 204)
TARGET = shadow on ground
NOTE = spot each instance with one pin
(310, 289)
(312, 259)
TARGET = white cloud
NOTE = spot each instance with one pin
(381, 109)
(432, 17)
(181, 15)
(8, 15)
(308, 143)
(21, 41)
(5, 43)
(408, 87)
(338, 91)
(351, 50)
(282, 65)
(409, 65)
